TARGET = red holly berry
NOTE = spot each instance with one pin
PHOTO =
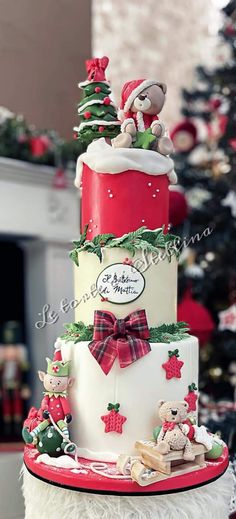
(97, 89)
(75, 135)
(173, 365)
(106, 101)
(127, 261)
(101, 129)
(191, 398)
(87, 115)
(113, 420)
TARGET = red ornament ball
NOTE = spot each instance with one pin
(87, 115)
(106, 101)
(197, 317)
(97, 89)
(101, 129)
(178, 207)
(184, 136)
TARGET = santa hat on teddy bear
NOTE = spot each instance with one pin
(131, 90)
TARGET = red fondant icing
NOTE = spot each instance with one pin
(123, 202)
(67, 479)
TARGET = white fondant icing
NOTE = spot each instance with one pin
(93, 102)
(202, 436)
(65, 462)
(98, 122)
(136, 388)
(159, 297)
(103, 158)
(98, 456)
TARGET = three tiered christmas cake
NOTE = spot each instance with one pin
(125, 352)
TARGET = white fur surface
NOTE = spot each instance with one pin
(44, 501)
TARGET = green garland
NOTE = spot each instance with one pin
(169, 332)
(142, 239)
(78, 332)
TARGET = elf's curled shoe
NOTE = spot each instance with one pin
(27, 437)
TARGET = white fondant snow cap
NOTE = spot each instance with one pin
(102, 158)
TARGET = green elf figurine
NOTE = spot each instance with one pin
(55, 405)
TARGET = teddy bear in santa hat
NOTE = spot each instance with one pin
(141, 102)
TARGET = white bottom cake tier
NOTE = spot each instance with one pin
(137, 388)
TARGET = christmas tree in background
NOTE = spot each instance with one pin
(98, 115)
(203, 213)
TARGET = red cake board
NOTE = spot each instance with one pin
(97, 484)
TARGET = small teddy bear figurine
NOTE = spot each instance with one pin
(141, 102)
(175, 433)
(55, 405)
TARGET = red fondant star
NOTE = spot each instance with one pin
(173, 365)
(113, 421)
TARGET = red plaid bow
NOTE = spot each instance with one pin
(122, 338)
(96, 68)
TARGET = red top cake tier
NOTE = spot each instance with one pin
(123, 189)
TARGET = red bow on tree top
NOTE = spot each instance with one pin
(122, 338)
(96, 68)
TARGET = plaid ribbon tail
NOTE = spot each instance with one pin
(104, 353)
(131, 350)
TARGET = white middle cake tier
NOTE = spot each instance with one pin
(137, 388)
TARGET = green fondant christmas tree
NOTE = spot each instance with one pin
(98, 115)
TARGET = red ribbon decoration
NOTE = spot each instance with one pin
(168, 426)
(122, 338)
(96, 68)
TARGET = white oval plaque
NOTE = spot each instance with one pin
(120, 283)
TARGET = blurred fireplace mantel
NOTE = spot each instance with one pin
(30, 205)
(43, 220)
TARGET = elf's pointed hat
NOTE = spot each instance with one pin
(58, 368)
(132, 89)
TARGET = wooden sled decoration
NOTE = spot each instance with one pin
(124, 464)
(163, 466)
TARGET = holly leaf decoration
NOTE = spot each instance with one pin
(74, 256)
(165, 333)
(169, 332)
(141, 239)
(83, 237)
(78, 332)
(116, 407)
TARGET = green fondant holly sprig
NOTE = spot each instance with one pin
(78, 332)
(166, 333)
(115, 407)
(169, 332)
(142, 239)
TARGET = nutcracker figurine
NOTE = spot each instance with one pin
(14, 367)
